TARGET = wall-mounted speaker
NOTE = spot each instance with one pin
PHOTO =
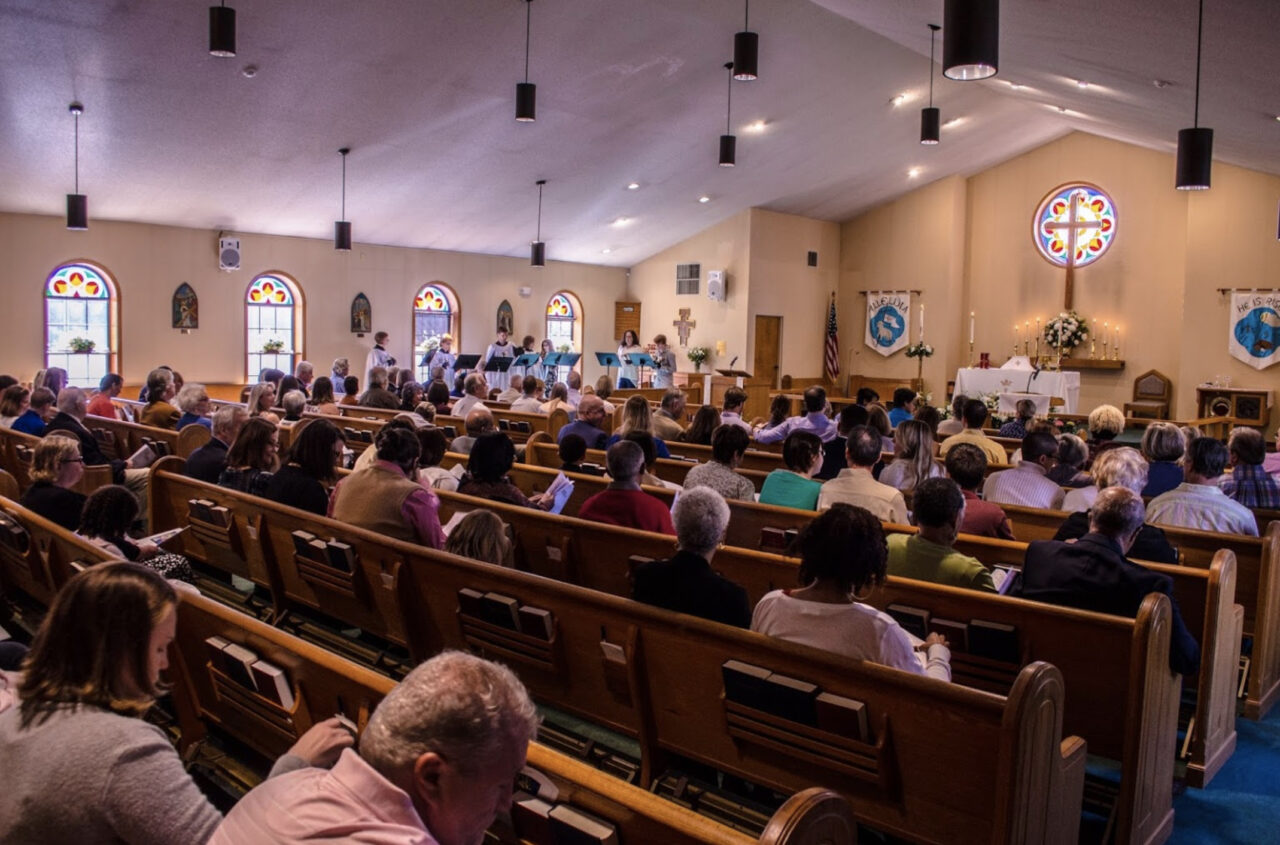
(716, 285)
(813, 258)
(228, 253)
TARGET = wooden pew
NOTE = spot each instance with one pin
(324, 684)
(120, 439)
(17, 451)
(545, 454)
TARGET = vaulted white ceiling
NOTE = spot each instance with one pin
(423, 93)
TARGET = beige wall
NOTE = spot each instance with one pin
(149, 262)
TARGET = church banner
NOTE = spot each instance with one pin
(887, 320)
(1255, 328)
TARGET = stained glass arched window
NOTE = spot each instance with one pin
(273, 325)
(1078, 215)
(81, 334)
(435, 313)
(564, 324)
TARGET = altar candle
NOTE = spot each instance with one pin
(922, 322)
(971, 326)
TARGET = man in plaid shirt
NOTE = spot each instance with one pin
(1249, 484)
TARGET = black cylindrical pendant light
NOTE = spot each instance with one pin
(77, 203)
(728, 143)
(1195, 145)
(222, 31)
(342, 228)
(526, 92)
(746, 49)
(930, 117)
(971, 45)
(537, 249)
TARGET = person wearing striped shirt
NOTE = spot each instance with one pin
(1198, 502)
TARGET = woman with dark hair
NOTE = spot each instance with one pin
(55, 378)
(728, 446)
(629, 374)
(410, 395)
(931, 417)
(438, 395)
(107, 517)
(14, 402)
(310, 468)
(253, 458)
(779, 410)
(705, 421)
(490, 460)
(350, 391)
(92, 769)
(794, 486)
(842, 553)
(322, 397)
(434, 445)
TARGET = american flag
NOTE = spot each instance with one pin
(831, 362)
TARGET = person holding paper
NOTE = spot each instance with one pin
(629, 374)
(664, 375)
(72, 409)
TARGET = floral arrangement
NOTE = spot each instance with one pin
(82, 344)
(698, 355)
(272, 346)
(1066, 331)
(430, 343)
(919, 349)
(564, 347)
(1065, 426)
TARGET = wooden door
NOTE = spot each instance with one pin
(765, 368)
(626, 315)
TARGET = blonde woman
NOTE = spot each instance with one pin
(636, 416)
(912, 456)
(261, 400)
(481, 536)
(56, 468)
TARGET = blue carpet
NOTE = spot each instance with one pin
(1242, 804)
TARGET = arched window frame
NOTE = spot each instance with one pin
(83, 369)
(554, 326)
(419, 337)
(295, 346)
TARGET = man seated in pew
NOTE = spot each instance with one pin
(667, 419)
(39, 413)
(930, 555)
(1093, 572)
(794, 487)
(526, 400)
(623, 502)
(1198, 502)
(573, 451)
(81, 764)
(833, 459)
(305, 373)
(975, 415)
(1026, 484)
(843, 554)
(430, 474)
(479, 421)
(253, 458)
(482, 535)
(855, 485)
(573, 382)
(55, 469)
(728, 447)
(515, 388)
(108, 388)
(1122, 467)
(814, 419)
(1249, 484)
(967, 466)
(587, 425)
(437, 763)
(158, 413)
(207, 462)
(490, 460)
(866, 396)
(735, 399)
(1272, 462)
(475, 390)
(386, 497)
(193, 401)
(903, 399)
(686, 582)
(69, 420)
(376, 394)
(309, 470)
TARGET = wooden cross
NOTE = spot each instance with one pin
(684, 325)
(1075, 229)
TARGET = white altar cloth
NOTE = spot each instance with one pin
(973, 382)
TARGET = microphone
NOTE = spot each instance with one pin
(1035, 371)
(734, 361)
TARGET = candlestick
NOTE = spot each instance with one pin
(1015, 340)
(971, 361)
(971, 329)
(1115, 349)
(1093, 347)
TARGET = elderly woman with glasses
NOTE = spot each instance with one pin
(57, 467)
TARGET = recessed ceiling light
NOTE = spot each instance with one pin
(913, 173)
(955, 121)
(756, 127)
(622, 221)
(606, 251)
(1080, 83)
(705, 198)
(1278, 117)
(1014, 86)
(634, 186)
(1161, 83)
(904, 97)
(249, 71)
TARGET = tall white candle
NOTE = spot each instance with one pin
(922, 322)
(971, 326)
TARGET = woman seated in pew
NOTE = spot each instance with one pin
(193, 401)
(55, 469)
(931, 417)
(637, 416)
(411, 394)
(604, 389)
(438, 395)
(1163, 445)
(430, 474)
(878, 419)
(262, 398)
(91, 768)
(387, 496)
(645, 441)
(294, 403)
(108, 515)
(310, 469)
(15, 402)
(559, 401)
(1122, 467)
(704, 424)
(779, 411)
(322, 398)
(350, 391)
(1073, 454)
(794, 486)
(252, 458)
(842, 554)
(938, 508)
(913, 461)
(481, 535)
(1105, 424)
(490, 460)
(728, 447)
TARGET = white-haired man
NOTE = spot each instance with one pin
(437, 763)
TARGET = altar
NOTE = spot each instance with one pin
(974, 382)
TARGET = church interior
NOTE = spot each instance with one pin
(216, 172)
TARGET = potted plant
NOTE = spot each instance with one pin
(82, 345)
(273, 346)
(698, 355)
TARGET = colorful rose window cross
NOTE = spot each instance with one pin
(1073, 226)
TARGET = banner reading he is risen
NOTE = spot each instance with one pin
(1255, 328)
(887, 325)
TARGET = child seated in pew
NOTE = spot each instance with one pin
(481, 535)
(967, 466)
(842, 553)
(938, 507)
(107, 516)
(573, 449)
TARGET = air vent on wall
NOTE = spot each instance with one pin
(687, 276)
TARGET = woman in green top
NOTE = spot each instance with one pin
(794, 486)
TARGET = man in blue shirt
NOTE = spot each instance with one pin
(38, 415)
(587, 425)
(901, 410)
(814, 419)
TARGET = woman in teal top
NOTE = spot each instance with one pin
(794, 486)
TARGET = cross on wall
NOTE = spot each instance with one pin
(1077, 230)
(684, 325)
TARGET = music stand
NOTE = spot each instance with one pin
(607, 360)
(524, 361)
(566, 359)
(464, 364)
(498, 364)
(642, 360)
(737, 374)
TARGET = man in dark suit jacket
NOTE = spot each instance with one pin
(851, 416)
(208, 462)
(1092, 573)
(72, 408)
(686, 582)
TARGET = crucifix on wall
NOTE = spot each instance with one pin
(684, 325)
(1074, 226)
